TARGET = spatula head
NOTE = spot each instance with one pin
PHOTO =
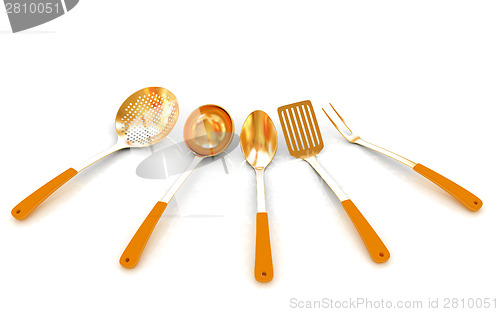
(301, 130)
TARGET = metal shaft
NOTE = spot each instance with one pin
(175, 187)
(261, 190)
(381, 150)
(120, 144)
(331, 183)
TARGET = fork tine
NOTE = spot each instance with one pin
(340, 117)
(335, 125)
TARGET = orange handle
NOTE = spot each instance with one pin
(373, 243)
(132, 253)
(471, 201)
(24, 208)
(263, 257)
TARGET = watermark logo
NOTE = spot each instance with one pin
(25, 14)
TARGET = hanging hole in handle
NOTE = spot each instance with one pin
(18, 211)
(127, 259)
(476, 203)
(381, 254)
(263, 274)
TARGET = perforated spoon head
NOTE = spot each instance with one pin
(301, 129)
(147, 116)
(208, 130)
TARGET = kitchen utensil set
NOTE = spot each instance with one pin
(147, 116)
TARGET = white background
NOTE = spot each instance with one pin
(419, 78)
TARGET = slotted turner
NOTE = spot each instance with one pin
(304, 141)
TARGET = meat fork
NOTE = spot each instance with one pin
(469, 200)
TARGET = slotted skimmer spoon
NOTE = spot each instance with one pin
(208, 131)
(304, 141)
(145, 118)
(469, 200)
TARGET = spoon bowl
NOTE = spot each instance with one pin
(258, 139)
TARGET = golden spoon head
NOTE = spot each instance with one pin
(147, 116)
(258, 139)
(208, 130)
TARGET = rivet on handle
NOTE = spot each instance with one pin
(133, 252)
(378, 252)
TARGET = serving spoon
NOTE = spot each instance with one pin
(259, 142)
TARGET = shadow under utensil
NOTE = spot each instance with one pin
(163, 162)
(170, 160)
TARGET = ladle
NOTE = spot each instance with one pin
(208, 131)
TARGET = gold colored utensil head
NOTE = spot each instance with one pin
(147, 116)
(258, 139)
(208, 130)
(301, 130)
